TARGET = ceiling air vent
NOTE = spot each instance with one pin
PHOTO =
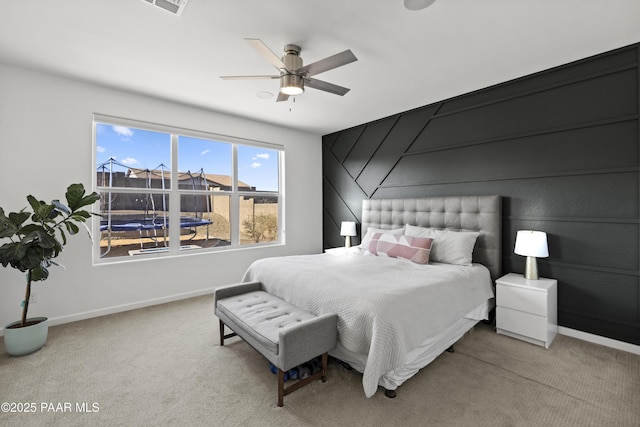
(174, 6)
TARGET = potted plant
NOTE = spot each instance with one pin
(34, 239)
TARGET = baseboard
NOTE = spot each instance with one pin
(597, 339)
(126, 307)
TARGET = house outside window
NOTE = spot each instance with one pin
(170, 191)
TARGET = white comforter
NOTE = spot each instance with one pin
(385, 306)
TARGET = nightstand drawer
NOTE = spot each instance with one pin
(522, 299)
(526, 324)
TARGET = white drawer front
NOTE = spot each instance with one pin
(526, 324)
(533, 302)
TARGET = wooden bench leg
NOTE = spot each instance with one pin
(320, 375)
(223, 336)
(325, 360)
(221, 332)
(280, 387)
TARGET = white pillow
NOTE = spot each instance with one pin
(364, 243)
(415, 231)
(451, 247)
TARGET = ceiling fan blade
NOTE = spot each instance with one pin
(248, 77)
(262, 48)
(282, 97)
(325, 86)
(329, 63)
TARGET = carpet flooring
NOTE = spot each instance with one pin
(163, 366)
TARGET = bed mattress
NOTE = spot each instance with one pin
(387, 308)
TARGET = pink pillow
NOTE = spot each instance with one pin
(416, 249)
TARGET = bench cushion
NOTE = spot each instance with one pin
(262, 315)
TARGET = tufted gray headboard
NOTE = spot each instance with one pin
(470, 213)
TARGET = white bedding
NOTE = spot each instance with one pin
(386, 307)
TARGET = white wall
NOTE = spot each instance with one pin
(46, 144)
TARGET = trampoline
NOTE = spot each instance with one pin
(142, 218)
(151, 224)
(147, 230)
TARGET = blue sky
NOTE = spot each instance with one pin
(138, 148)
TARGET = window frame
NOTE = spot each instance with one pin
(175, 193)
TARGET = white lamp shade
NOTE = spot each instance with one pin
(532, 243)
(348, 228)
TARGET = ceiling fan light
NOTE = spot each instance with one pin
(417, 4)
(292, 90)
(291, 84)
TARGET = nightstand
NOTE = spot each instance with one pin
(527, 309)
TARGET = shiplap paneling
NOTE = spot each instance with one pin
(562, 149)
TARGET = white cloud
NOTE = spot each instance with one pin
(100, 149)
(205, 152)
(255, 165)
(263, 156)
(129, 161)
(123, 131)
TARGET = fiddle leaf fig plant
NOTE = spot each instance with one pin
(37, 237)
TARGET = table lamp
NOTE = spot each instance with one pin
(533, 245)
(348, 229)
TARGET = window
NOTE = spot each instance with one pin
(168, 191)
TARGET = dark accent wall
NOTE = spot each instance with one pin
(560, 147)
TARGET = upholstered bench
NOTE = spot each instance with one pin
(283, 333)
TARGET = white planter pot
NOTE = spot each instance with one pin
(21, 341)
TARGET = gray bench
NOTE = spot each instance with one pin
(283, 333)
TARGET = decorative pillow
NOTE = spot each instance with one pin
(364, 244)
(451, 247)
(416, 249)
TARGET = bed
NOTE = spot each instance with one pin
(396, 315)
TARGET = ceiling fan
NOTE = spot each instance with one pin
(293, 76)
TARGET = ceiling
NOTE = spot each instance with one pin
(406, 59)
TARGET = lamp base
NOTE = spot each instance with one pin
(531, 269)
(347, 241)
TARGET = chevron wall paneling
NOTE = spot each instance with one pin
(562, 149)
